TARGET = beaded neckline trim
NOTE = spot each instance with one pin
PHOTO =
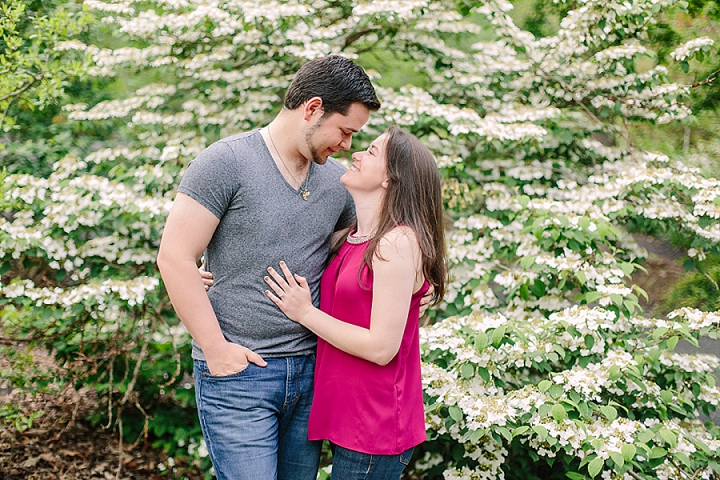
(358, 240)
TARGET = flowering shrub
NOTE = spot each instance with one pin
(540, 363)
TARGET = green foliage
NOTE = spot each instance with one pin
(33, 67)
(11, 415)
(695, 289)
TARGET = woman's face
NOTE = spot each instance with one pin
(368, 171)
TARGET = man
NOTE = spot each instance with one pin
(249, 201)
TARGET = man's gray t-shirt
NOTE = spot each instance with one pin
(263, 220)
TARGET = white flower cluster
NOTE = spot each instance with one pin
(688, 49)
(696, 319)
(71, 204)
(409, 104)
(132, 292)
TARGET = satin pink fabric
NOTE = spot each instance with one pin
(359, 405)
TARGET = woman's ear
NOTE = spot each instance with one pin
(384, 184)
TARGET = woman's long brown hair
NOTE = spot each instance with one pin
(414, 198)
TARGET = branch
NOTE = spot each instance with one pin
(717, 287)
(353, 37)
(708, 80)
(19, 92)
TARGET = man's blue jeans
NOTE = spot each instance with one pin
(255, 422)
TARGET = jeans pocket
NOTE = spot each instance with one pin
(406, 456)
(230, 375)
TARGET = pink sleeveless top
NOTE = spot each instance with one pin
(359, 405)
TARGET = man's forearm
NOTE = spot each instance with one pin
(187, 294)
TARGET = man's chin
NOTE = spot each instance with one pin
(320, 159)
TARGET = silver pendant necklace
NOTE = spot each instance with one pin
(304, 192)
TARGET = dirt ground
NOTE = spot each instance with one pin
(61, 445)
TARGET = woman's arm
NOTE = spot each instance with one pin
(396, 275)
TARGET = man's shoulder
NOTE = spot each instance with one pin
(229, 149)
(239, 140)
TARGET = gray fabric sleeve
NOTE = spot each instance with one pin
(213, 178)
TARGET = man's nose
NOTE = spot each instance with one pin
(346, 143)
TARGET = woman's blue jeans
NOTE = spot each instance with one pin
(352, 465)
(255, 422)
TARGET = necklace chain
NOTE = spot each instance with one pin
(304, 192)
(358, 240)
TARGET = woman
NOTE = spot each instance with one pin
(368, 399)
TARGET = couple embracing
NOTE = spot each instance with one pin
(309, 331)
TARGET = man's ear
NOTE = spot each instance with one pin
(312, 107)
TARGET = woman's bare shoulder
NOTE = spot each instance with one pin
(400, 239)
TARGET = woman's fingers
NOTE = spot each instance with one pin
(288, 274)
(272, 297)
(277, 277)
(274, 286)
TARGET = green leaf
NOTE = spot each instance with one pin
(484, 373)
(627, 268)
(668, 436)
(593, 296)
(584, 410)
(527, 262)
(689, 265)
(609, 412)
(498, 335)
(556, 391)
(672, 342)
(481, 341)
(595, 467)
(575, 476)
(644, 436)
(684, 459)
(456, 413)
(666, 396)
(520, 430)
(628, 451)
(617, 458)
(505, 433)
(658, 452)
(559, 413)
(659, 332)
(541, 431)
(477, 435)
(467, 371)
(544, 385)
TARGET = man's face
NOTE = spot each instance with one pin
(334, 132)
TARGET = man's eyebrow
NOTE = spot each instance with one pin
(352, 129)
